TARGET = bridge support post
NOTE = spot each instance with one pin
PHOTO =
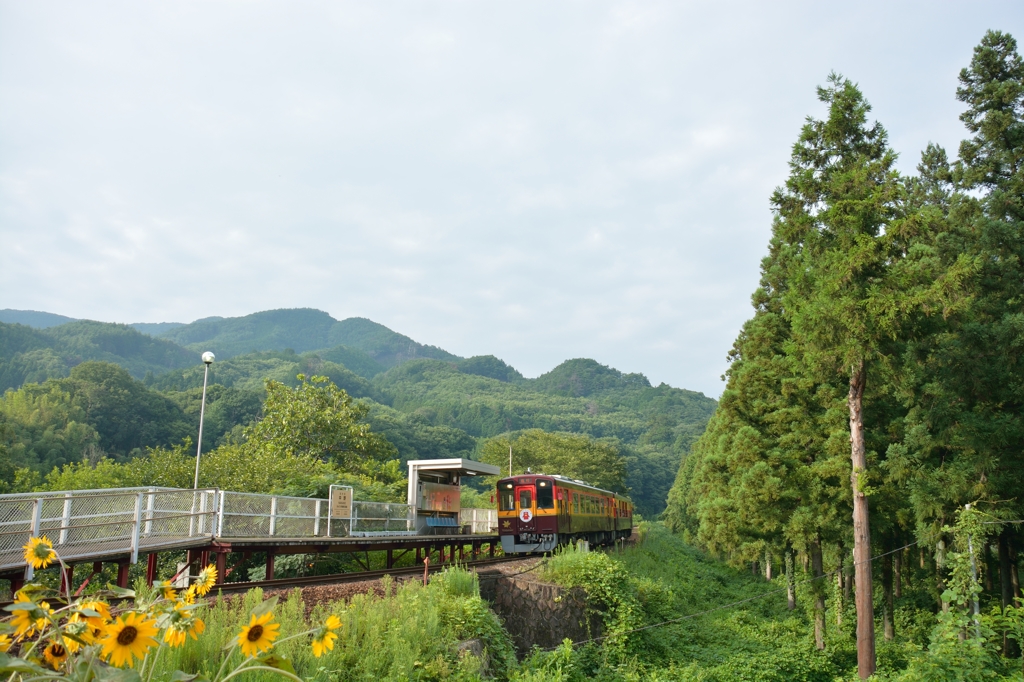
(151, 568)
(122, 573)
(221, 560)
(419, 559)
(391, 558)
(270, 563)
(490, 548)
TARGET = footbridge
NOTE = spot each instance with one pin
(124, 525)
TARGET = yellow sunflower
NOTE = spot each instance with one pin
(99, 607)
(259, 635)
(167, 590)
(55, 654)
(5, 643)
(323, 641)
(128, 636)
(182, 624)
(39, 552)
(79, 627)
(26, 623)
(206, 580)
(188, 596)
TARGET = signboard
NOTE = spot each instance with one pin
(439, 497)
(341, 503)
(525, 515)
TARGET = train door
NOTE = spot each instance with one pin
(526, 509)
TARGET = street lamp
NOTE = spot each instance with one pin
(208, 359)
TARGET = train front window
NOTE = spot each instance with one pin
(507, 500)
(525, 498)
(545, 495)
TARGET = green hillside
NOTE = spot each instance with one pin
(34, 355)
(301, 329)
(33, 318)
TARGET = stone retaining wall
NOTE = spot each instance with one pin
(540, 614)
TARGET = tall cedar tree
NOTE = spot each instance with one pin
(834, 211)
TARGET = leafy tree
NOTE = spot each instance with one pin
(598, 462)
(319, 420)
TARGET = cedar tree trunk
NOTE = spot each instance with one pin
(861, 529)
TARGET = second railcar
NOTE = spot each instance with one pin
(538, 512)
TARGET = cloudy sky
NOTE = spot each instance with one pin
(534, 180)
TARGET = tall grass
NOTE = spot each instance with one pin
(411, 633)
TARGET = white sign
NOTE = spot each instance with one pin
(525, 515)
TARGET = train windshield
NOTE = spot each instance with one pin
(506, 500)
(525, 498)
(545, 495)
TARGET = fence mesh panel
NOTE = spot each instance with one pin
(247, 515)
(104, 522)
(480, 521)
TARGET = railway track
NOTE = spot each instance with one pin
(354, 577)
(359, 576)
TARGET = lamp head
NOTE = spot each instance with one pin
(208, 358)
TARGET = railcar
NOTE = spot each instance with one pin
(539, 512)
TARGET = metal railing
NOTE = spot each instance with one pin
(480, 521)
(89, 523)
(251, 515)
(376, 518)
(114, 522)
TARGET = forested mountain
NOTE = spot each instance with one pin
(428, 403)
(33, 318)
(28, 354)
(300, 329)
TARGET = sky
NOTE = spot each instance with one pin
(533, 180)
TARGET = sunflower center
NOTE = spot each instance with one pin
(127, 635)
(255, 632)
(58, 651)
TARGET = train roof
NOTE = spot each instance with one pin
(575, 482)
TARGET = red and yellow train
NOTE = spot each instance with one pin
(538, 512)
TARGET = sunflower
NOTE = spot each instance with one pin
(259, 635)
(99, 607)
(55, 654)
(183, 623)
(206, 580)
(323, 641)
(188, 597)
(80, 628)
(128, 636)
(5, 643)
(39, 552)
(167, 590)
(27, 622)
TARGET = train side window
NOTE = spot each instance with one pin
(525, 499)
(507, 500)
(575, 503)
(545, 496)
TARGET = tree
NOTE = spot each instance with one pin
(319, 420)
(598, 462)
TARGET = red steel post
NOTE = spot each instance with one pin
(151, 568)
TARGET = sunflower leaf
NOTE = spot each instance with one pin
(22, 606)
(107, 673)
(5, 628)
(179, 676)
(265, 607)
(277, 661)
(10, 664)
(121, 591)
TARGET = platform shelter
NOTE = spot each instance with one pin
(435, 489)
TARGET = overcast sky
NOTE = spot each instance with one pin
(534, 180)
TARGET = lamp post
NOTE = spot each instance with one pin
(208, 359)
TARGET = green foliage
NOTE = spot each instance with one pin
(36, 355)
(318, 420)
(411, 633)
(489, 366)
(583, 377)
(598, 462)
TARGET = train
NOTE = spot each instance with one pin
(539, 512)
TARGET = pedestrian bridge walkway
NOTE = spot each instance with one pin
(120, 524)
